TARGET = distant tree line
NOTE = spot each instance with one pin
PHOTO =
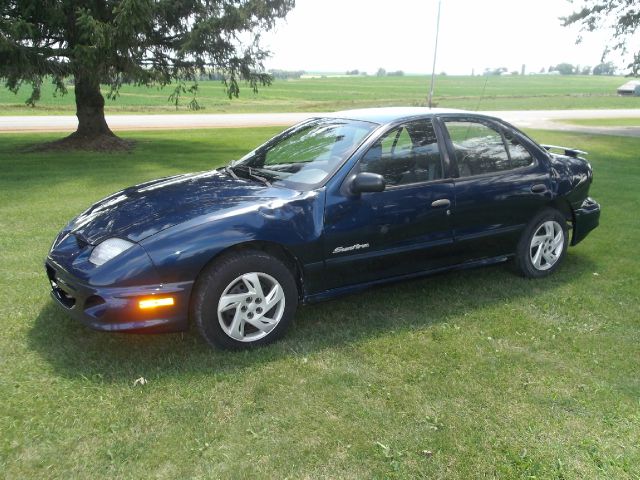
(275, 73)
(606, 68)
(286, 74)
(383, 73)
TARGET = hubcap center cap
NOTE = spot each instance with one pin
(251, 308)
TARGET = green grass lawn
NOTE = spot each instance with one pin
(475, 374)
(535, 92)
(605, 122)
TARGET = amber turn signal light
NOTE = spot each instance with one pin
(156, 302)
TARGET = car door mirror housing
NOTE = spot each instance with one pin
(365, 182)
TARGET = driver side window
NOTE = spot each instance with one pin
(405, 155)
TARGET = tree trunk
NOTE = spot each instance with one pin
(90, 108)
(93, 133)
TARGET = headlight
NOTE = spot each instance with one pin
(109, 249)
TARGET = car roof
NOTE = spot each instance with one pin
(391, 114)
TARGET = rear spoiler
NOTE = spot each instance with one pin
(569, 152)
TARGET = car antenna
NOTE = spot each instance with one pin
(486, 79)
(435, 53)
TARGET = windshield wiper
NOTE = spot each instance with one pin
(230, 171)
(245, 169)
(258, 177)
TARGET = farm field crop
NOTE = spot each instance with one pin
(530, 92)
(469, 374)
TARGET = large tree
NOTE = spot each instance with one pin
(622, 17)
(144, 42)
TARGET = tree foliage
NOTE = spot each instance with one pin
(144, 42)
(604, 68)
(566, 69)
(570, 69)
(622, 17)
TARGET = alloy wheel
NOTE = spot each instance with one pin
(546, 245)
(251, 306)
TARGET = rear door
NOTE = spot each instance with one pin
(401, 230)
(499, 186)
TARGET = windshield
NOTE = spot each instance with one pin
(305, 156)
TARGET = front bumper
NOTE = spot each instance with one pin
(586, 218)
(116, 309)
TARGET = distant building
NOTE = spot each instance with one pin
(630, 88)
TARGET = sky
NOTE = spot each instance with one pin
(341, 35)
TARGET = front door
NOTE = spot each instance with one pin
(402, 230)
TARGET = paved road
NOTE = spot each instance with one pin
(544, 119)
(552, 120)
(68, 123)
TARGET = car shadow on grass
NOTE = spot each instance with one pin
(78, 352)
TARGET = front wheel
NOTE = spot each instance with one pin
(244, 299)
(543, 245)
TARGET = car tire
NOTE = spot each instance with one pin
(543, 245)
(243, 300)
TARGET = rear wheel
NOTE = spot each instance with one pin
(543, 244)
(244, 299)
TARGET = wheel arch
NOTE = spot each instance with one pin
(274, 249)
(564, 207)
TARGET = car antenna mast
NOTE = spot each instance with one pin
(435, 53)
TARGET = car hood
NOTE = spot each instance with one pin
(143, 210)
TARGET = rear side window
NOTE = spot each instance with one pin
(479, 148)
(405, 155)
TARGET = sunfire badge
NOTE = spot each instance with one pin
(351, 248)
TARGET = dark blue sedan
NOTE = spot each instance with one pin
(331, 205)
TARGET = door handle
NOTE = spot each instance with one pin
(443, 202)
(539, 188)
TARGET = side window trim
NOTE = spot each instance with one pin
(500, 130)
(442, 137)
(395, 140)
(414, 184)
(523, 140)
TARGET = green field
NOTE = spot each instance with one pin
(475, 374)
(535, 92)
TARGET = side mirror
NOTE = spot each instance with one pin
(365, 182)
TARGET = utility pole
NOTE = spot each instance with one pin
(435, 53)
